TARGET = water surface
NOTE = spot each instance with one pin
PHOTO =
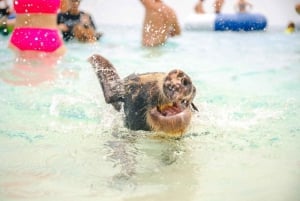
(59, 140)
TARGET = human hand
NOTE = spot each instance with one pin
(63, 27)
(85, 19)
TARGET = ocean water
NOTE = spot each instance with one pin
(59, 140)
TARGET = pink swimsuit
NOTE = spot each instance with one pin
(46, 40)
(36, 6)
(34, 38)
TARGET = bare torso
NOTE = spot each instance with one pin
(160, 22)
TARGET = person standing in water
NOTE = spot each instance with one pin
(5, 9)
(37, 42)
(199, 7)
(242, 6)
(160, 23)
(6, 22)
(35, 28)
(218, 6)
(77, 24)
(297, 8)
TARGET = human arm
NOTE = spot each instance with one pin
(172, 20)
(64, 6)
(60, 23)
(147, 3)
(175, 29)
(87, 20)
(152, 4)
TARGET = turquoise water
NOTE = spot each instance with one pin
(60, 141)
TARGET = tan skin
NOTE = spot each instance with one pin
(73, 7)
(160, 22)
(242, 6)
(199, 7)
(40, 20)
(218, 5)
(34, 67)
(64, 6)
(297, 8)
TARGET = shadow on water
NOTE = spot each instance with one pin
(61, 142)
(34, 69)
(30, 70)
(150, 168)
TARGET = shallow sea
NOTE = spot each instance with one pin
(60, 141)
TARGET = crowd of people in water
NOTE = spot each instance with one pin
(54, 22)
(57, 21)
(39, 29)
(72, 22)
(241, 6)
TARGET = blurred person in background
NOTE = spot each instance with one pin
(218, 6)
(76, 24)
(160, 23)
(7, 18)
(243, 6)
(199, 7)
(297, 8)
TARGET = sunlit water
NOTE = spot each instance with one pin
(60, 141)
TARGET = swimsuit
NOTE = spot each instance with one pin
(36, 6)
(38, 39)
(34, 38)
(70, 21)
